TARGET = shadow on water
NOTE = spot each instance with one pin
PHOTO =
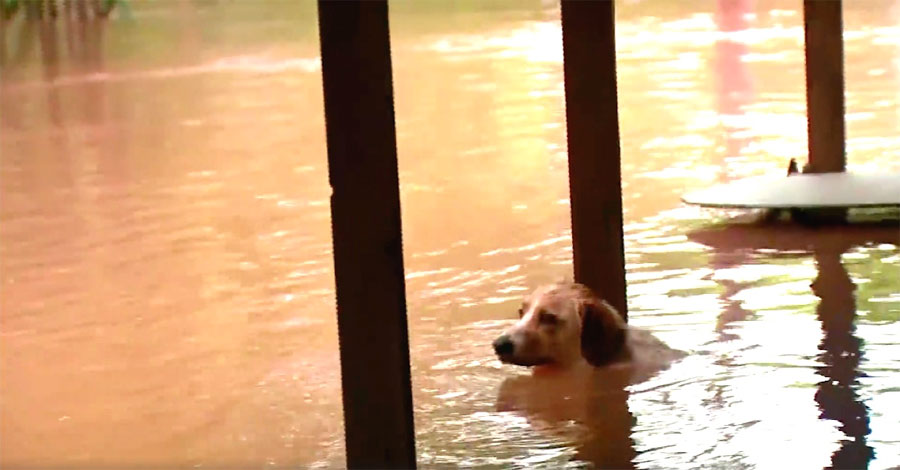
(840, 356)
(43, 15)
(841, 351)
(73, 46)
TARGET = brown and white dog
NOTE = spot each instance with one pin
(566, 326)
(584, 358)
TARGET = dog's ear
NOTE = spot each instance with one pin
(602, 332)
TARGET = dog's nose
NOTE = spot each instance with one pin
(503, 346)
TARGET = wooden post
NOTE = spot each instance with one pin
(368, 251)
(825, 85)
(595, 186)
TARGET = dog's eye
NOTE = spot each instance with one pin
(545, 318)
(521, 312)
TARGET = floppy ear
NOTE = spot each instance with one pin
(602, 332)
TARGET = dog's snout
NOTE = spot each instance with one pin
(503, 346)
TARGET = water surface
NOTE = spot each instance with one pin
(167, 290)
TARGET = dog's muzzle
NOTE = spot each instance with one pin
(504, 346)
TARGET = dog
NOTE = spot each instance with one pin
(566, 326)
(584, 357)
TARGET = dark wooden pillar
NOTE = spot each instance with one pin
(825, 85)
(592, 121)
(368, 250)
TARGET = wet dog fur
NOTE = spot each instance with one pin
(566, 326)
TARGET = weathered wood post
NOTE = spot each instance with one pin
(366, 231)
(825, 85)
(823, 30)
(592, 121)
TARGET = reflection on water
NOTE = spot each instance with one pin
(589, 411)
(841, 355)
(165, 263)
(841, 351)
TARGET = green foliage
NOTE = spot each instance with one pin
(9, 8)
(48, 9)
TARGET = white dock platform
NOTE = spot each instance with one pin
(803, 191)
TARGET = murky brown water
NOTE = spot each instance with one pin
(167, 295)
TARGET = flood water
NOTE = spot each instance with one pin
(166, 273)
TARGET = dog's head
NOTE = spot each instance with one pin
(562, 324)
